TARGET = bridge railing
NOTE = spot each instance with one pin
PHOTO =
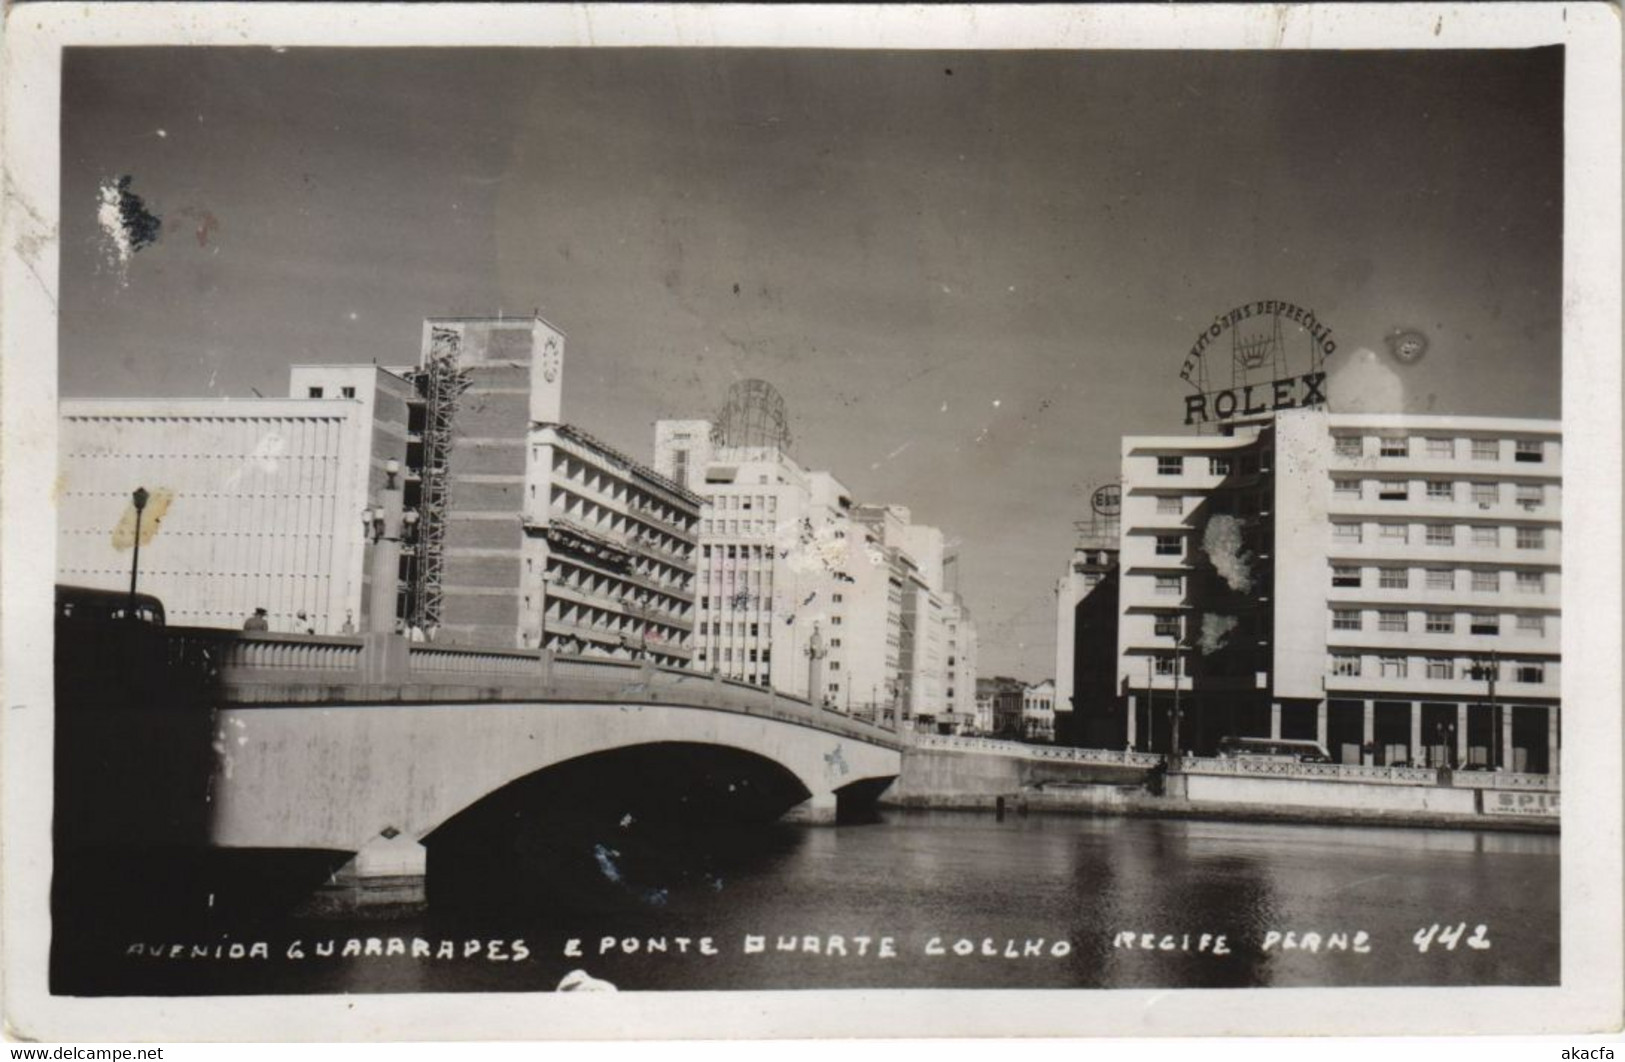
(1354, 772)
(257, 667)
(1060, 753)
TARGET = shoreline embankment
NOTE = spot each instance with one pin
(1022, 783)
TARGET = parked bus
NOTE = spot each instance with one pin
(83, 605)
(1292, 749)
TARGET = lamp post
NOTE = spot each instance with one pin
(1178, 753)
(139, 499)
(384, 525)
(815, 666)
(1489, 673)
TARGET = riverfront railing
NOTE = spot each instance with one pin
(1354, 772)
(260, 668)
(1061, 753)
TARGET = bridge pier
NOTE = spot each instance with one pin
(817, 810)
(388, 875)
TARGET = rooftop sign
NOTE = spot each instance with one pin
(1263, 377)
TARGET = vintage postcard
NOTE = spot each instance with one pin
(813, 521)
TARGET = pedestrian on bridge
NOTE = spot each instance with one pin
(257, 622)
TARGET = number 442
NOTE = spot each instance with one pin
(1449, 936)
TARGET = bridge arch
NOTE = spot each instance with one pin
(346, 778)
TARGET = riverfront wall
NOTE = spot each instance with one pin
(951, 772)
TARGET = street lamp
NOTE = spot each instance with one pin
(1489, 673)
(139, 498)
(383, 521)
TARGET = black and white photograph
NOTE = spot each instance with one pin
(738, 516)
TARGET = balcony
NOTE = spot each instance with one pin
(1420, 554)
(1420, 508)
(1463, 642)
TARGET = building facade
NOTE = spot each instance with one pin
(773, 562)
(802, 590)
(531, 532)
(254, 503)
(1386, 585)
(1038, 712)
(1089, 711)
(516, 528)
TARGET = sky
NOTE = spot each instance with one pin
(969, 274)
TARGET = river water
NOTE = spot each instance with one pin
(918, 899)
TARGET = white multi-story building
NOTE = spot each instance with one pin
(254, 503)
(1387, 585)
(788, 562)
(773, 562)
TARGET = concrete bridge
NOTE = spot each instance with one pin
(369, 744)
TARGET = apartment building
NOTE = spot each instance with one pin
(1386, 585)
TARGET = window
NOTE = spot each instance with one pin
(1393, 490)
(1394, 532)
(1486, 494)
(1167, 626)
(1348, 445)
(1532, 625)
(315, 392)
(1170, 466)
(1345, 575)
(1486, 582)
(1529, 451)
(1393, 578)
(1168, 546)
(1345, 619)
(1441, 579)
(1219, 466)
(1531, 582)
(1395, 446)
(1531, 496)
(347, 392)
(1168, 584)
(1441, 534)
(1441, 448)
(1531, 538)
(837, 598)
(1165, 664)
(1441, 623)
(1346, 532)
(835, 665)
(1441, 490)
(1340, 485)
(1486, 449)
(1486, 535)
(1530, 671)
(1170, 504)
(835, 621)
(1345, 664)
(1486, 623)
(1392, 622)
(1393, 666)
(1441, 667)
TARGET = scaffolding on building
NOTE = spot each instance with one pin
(440, 381)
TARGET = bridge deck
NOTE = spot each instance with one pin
(246, 668)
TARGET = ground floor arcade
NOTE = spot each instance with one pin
(1374, 731)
